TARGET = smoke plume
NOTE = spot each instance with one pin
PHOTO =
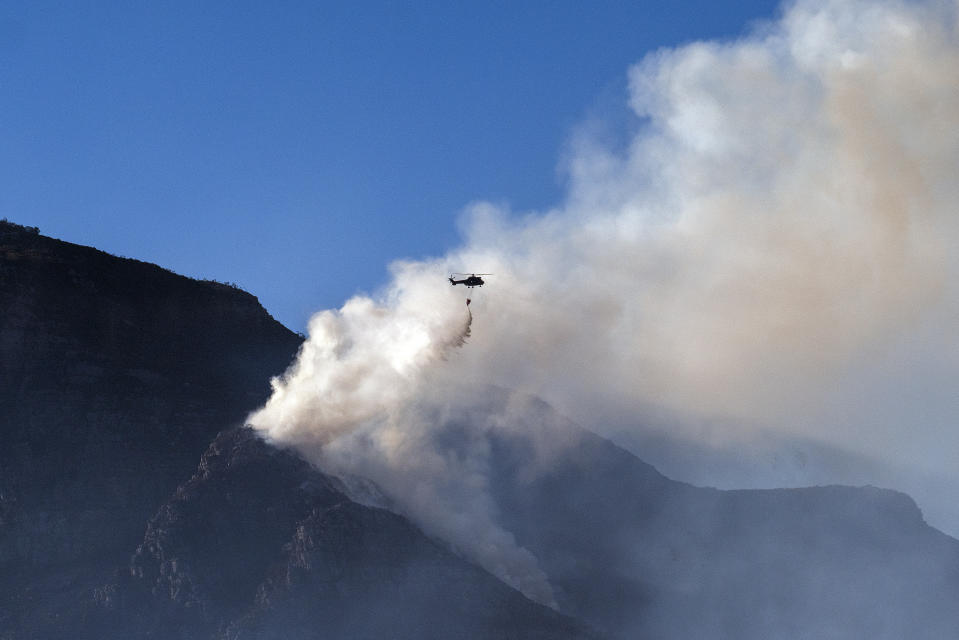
(772, 252)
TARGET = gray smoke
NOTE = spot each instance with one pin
(771, 260)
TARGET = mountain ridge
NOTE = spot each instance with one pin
(114, 376)
(133, 503)
(117, 376)
(309, 555)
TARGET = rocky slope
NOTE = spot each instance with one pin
(639, 555)
(257, 544)
(115, 376)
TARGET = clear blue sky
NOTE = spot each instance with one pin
(296, 148)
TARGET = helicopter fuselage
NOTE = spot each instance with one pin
(470, 282)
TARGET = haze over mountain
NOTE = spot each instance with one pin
(125, 515)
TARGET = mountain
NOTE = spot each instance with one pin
(134, 504)
(115, 378)
(639, 555)
(258, 544)
(115, 375)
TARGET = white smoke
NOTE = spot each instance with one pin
(774, 250)
(363, 361)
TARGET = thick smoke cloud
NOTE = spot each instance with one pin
(771, 259)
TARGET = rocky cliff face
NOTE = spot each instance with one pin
(114, 376)
(257, 544)
(124, 514)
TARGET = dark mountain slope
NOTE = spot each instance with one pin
(260, 545)
(639, 555)
(114, 376)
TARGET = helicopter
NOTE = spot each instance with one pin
(474, 279)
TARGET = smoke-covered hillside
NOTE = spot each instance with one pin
(116, 377)
(749, 282)
(640, 555)
(116, 523)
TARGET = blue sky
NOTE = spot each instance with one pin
(297, 148)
